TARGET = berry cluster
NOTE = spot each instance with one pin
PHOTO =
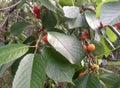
(89, 61)
(36, 11)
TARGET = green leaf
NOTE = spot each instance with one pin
(99, 48)
(86, 81)
(109, 78)
(48, 5)
(48, 19)
(91, 19)
(14, 66)
(29, 40)
(67, 45)
(71, 11)
(58, 68)
(65, 2)
(11, 52)
(110, 13)
(111, 35)
(117, 84)
(79, 2)
(18, 27)
(4, 67)
(99, 6)
(105, 45)
(30, 73)
(21, 4)
(75, 23)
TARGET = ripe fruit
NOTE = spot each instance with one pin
(45, 38)
(101, 25)
(37, 16)
(36, 10)
(81, 74)
(85, 35)
(91, 47)
(117, 25)
(85, 48)
(95, 67)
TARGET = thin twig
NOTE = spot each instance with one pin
(24, 19)
(10, 7)
(5, 22)
(29, 4)
(38, 42)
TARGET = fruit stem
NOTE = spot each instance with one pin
(37, 42)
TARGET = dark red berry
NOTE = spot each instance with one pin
(117, 25)
(38, 16)
(101, 24)
(36, 10)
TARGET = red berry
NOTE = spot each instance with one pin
(117, 25)
(42, 28)
(85, 35)
(101, 24)
(38, 16)
(85, 48)
(45, 38)
(36, 10)
(81, 74)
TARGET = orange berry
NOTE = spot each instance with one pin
(91, 47)
(45, 38)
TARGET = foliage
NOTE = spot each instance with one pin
(68, 28)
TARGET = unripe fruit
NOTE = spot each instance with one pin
(95, 67)
(91, 47)
(45, 38)
(85, 48)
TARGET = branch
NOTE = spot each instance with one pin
(29, 4)
(5, 22)
(10, 7)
